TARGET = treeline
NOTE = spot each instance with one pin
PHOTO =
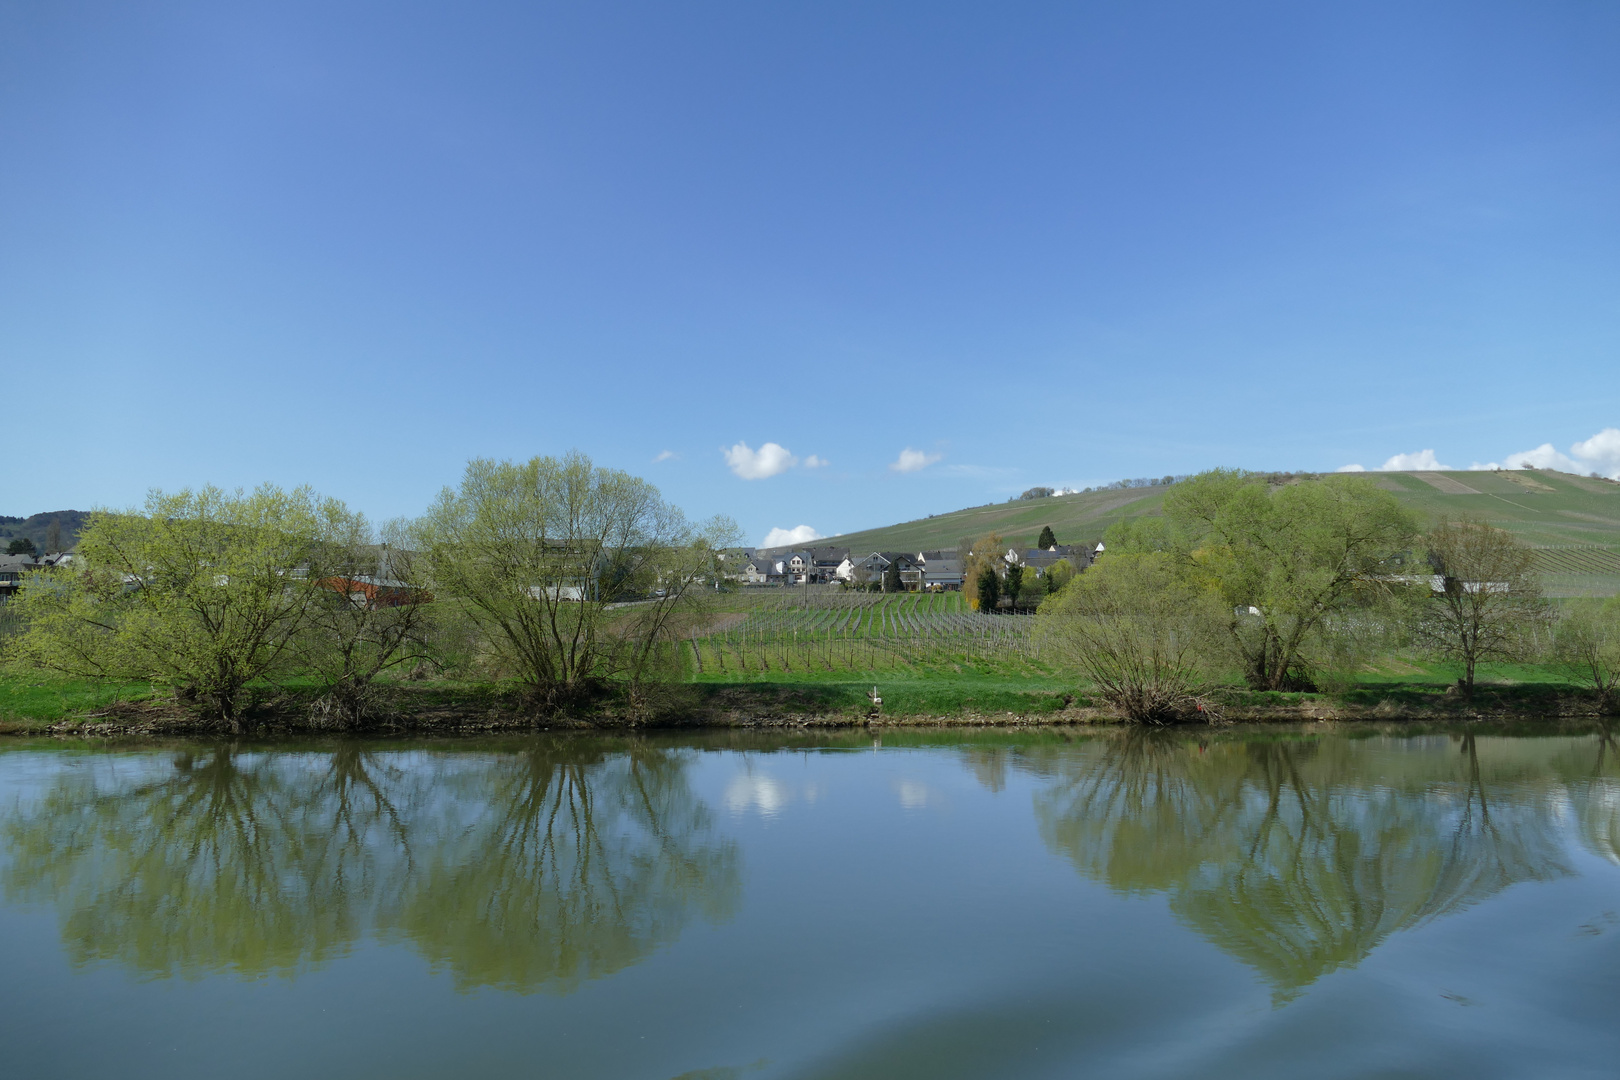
(1297, 586)
(570, 579)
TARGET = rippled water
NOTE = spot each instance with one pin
(1039, 904)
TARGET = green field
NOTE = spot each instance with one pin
(1572, 521)
(831, 635)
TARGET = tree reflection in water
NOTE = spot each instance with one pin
(563, 863)
(568, 860)
(1299, 856)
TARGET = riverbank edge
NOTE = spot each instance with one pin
(768, 708)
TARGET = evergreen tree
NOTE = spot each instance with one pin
(1047, 540)
(21, 546)
(989, 590)
(891, 577)
(1015, 582)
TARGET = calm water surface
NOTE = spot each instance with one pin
(1043, 904)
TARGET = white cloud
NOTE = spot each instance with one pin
(1422, 461)
(794, 537)
(665, 455)
(1542, 457)
(1350, 468)
(760, 464)
(911, 460)
(1601, 452)
(814, 462)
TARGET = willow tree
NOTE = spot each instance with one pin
(1139, 630)
(203, 591)
(574, 574)
(1284, 559)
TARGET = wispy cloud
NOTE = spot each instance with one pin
(814, 462)
(665, 455)
(913, 460)
(794, 537)
(761, 464)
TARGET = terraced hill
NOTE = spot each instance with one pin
(1573, 521)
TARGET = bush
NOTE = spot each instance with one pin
(1140, 631)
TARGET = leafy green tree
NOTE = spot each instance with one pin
(21, 545)
(1014, 583)
(987, 588)
(1587, 642)
(1139, 628)
(1282, 558)
(1048, 539)
(202, 591)
(542, 554)
(1489, 600)
(1058, 575)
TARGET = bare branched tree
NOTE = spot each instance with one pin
(1486, 600)
(369, 612)
(1586, 642)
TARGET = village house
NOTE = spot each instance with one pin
(940, 569)
(1040, 560)
(12, 569)
(763, 570)
(827, 562)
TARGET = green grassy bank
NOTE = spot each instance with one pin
(1020, 691)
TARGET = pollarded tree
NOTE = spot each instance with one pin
(1283, 558)
(1140, 628)
(201, 591)
(1048, 539)
(1488, 601)
(574, 574)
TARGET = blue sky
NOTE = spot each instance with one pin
(354, 245)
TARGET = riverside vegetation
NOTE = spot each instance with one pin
(556, 592)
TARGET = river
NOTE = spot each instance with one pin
(733, 906)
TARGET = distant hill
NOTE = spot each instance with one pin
(38, 528)
(1575, 519)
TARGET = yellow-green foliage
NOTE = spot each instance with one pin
(202, 591)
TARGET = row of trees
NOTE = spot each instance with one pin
(1298, 584)
(565, 576)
